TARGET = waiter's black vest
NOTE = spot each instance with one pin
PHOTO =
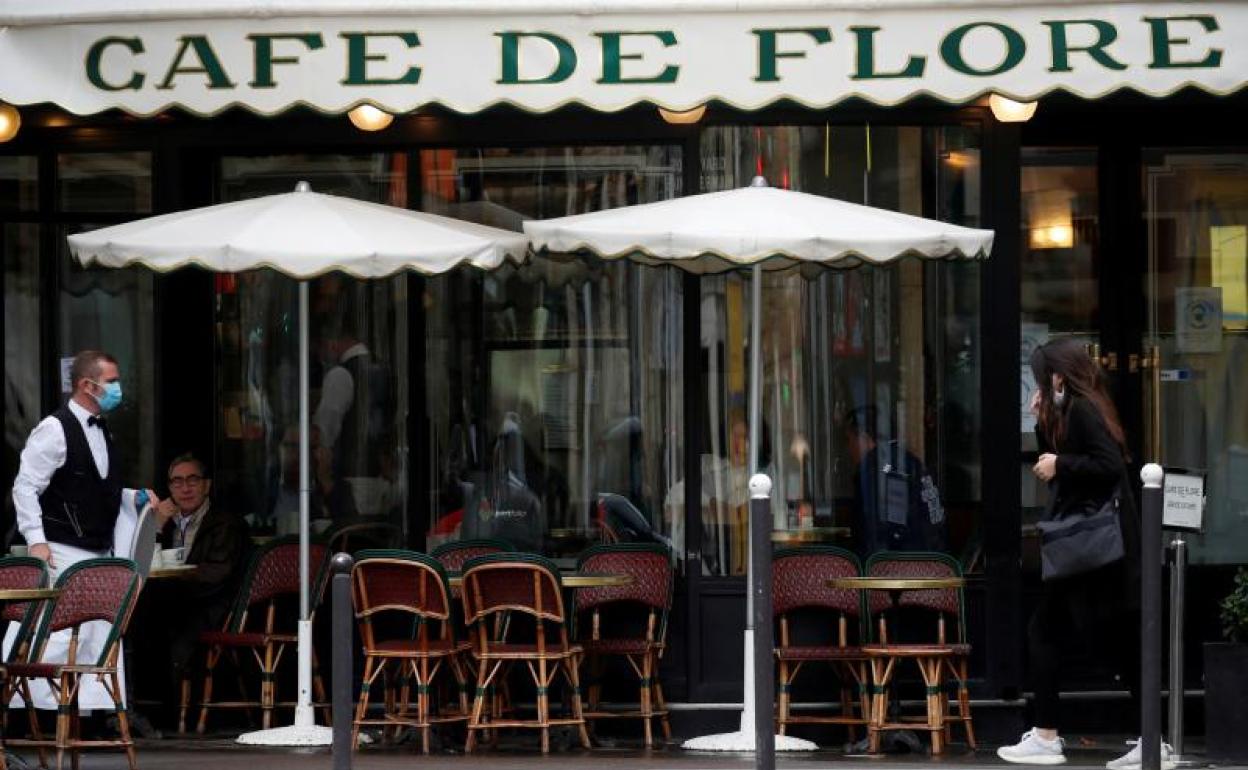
(79, 507)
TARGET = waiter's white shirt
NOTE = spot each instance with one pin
(337, 393)
(44, 453)
(42, 456)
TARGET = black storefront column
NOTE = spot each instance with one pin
(1002, 494)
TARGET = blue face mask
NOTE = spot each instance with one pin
(110, 399)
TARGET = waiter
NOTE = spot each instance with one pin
(70, 502)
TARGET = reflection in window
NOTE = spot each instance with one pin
(104, 181)
(19, 182)
(1197, 222)
(112, 309)
(871, 376)
(558, 421)
(22, 366)
(359, 370)
(1059, 291)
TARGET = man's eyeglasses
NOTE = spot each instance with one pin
(185, 481)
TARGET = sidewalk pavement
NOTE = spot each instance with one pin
(212, 754)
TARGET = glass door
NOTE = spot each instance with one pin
(1061, 275)
(1195, 415)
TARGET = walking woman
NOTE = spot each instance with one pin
(1083, 461)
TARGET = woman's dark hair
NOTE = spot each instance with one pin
(1083, 378)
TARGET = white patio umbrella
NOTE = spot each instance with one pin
(763, 228)
(302, 234)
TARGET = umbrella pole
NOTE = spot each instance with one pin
(303, 707)
(304, 731)
(748, 737)
(756, 410)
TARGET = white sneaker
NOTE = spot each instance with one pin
(1134, 759)
(1034, 750)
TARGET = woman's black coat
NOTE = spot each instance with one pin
(1090, 469)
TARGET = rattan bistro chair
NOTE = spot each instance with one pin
(405, 590)
(452, 555)
(935, 659)
(18, 573)
(254, 626)
(800, 584)
(94, 589)
(22, 572)
(529, 585)
(650, 567)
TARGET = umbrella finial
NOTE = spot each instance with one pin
(759, 181)
(303, 187)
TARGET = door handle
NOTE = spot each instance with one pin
(1108, 361)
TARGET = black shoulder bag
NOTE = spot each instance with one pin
(1081, 542)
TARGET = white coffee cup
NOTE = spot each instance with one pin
(172, 557)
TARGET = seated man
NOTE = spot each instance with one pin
(216, 543)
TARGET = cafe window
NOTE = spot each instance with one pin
(19, 183)
(106, 308)
(22, 386)
(870, 376)
(557, 413)
(104, 182)
(358, 337)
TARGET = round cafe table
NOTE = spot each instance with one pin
(897, 584)
(172, 571)
(882, 664)
(569, 580)
(8, 595)
(809, 535)
(28, 594)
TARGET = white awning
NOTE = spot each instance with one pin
(144, 56)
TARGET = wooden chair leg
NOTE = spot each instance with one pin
(578, 711)
(647, 704)
(64, 715)
(964, 705)
(268, 688)
(318, 691)
(782, 697)
(210, 664)
(929, 668)
(478, 705)
(661, 700)
(33, 716)
(361, 707)
(422, 704)
(123, 722)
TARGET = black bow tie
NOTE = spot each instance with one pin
(99, 420)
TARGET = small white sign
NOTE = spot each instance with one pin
(1032, 335)
(1198, 319)
(67, 386)
(1184, 501)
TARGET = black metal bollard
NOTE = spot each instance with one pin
(343, 702)
(760, 590)
(1150, 617)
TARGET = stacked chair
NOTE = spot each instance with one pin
(498, 590)
(800, 585)
(403, 607)
(946, 654)
(650, 567)
(452, 555)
